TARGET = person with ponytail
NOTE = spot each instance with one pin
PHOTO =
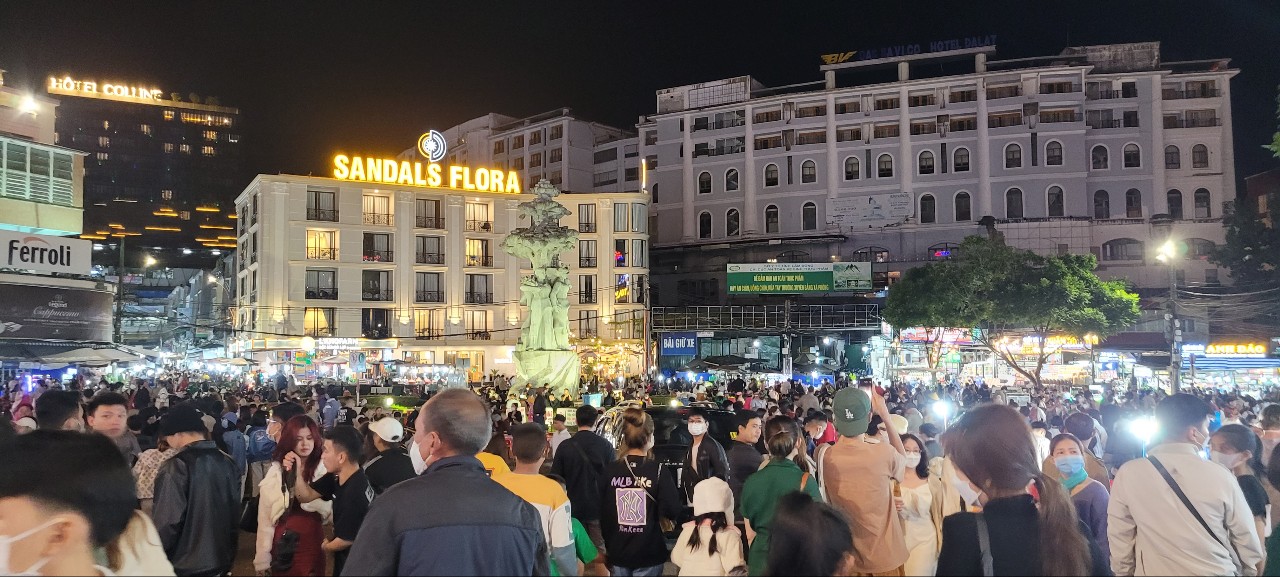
(779, 476)
(1028, 525)
(710, 544)
(636, 496)
(1239, 450)
(1088, 495)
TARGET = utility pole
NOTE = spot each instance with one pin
(119, 324)
(1175, 332)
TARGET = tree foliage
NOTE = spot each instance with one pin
(1252, 249)
(1008, 291)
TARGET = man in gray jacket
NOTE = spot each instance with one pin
(452, 519)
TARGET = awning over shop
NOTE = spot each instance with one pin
(1229, 364)
(1135, 342)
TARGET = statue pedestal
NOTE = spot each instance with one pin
(558, 370)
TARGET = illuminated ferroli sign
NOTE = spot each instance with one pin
(415, 173)
(69, 86)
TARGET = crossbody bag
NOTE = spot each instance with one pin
(1177, 490)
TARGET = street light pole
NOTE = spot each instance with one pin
(119, 324)
(1168, 255)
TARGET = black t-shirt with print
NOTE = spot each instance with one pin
(350, 504)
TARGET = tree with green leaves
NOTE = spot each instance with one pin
(1252, 249)
(1013, 293)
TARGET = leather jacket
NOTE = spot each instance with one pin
(197, 509)
(712, 462)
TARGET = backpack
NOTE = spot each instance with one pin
(260, 445)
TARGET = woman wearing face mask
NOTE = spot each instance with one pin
(1237, 448)
(79, 502)
(780, 475)
(635, 494)
(1087, 494)
(915, 506)
(1017, 532)
(289, 530)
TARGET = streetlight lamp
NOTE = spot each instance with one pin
(1091, 340)
(1168, 254)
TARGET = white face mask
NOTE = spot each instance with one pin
(415, 456)
(968, 494)
(913, 460)
(696, 429)
(6, 546)
(1228, 460)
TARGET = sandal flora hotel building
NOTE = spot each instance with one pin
(392, 266)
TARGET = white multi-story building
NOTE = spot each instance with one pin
(417, 273)
(1103, 149)
(41, 184)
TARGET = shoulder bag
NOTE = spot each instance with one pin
(1177, 490)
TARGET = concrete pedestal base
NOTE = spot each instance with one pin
(558, 370)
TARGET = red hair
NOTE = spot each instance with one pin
(289, 441)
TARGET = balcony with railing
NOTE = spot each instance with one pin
(587, 299)
(479, 335)
(479, 260)
(314, 253)
(586, 227)
(475, 298)
(322, 293)
(1192, 122)
(376, 294)
(317, 333)
(428, 334)
(479, 226)
(587, 262)
(429, 222)
(322, 214)
(1103, 94)
(378, 256)
(1169, 94)
(429, 258)
(429, 296)
(377, 218)
(1101, 123)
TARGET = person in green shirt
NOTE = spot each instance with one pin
(780, 476)
(586, 550)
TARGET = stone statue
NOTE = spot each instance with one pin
(543, 355)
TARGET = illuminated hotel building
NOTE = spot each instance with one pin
(161, 168)
(41, 183)
(415, 272)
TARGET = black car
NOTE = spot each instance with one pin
(671, 430)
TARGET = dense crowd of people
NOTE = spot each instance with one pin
(843, 478)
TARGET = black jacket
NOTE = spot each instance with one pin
(1014, 528)
(197, 509)
(582, 477)
(712, 462)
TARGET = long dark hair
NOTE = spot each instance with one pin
(992, 445)
(718, 522)
(1242, 439)
(289, 441)
(922, 468)
(807, 538)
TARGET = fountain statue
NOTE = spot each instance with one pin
(543, 356)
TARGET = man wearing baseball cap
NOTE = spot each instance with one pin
(857, 475)
(391, 465)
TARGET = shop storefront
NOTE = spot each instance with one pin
(1230, 363)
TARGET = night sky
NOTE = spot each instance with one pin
(311, 79)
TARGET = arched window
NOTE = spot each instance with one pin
(1132, 203)
(808, 171)
(731, 179)
(1132, 156)
(809, 216)
(1099, 157)
(1053, 153)
(1174, 197)
(771, 175)
(732, 222)
(1056, 202)
(1199, 156)
(852, 168)
(885, 164)
(1101, 205)
(704, 225)
(1013, 203)
(960, 160)
(704, 183)
(771, 219)
(943, 250)
(1202, 200)
(927, 209)
(871, 254)
(925, 162)
(963, 213)
(1172, 157)
(1013, 156)
(1122, 249)
(1200, 248)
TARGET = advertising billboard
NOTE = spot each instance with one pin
(49, 312)
(947, 335)
(44, 253)
(869, 211)
(798, 277)
(679, 344)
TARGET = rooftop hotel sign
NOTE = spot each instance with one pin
(68, 86)
(432, 145)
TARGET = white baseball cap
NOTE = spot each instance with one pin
(389, 429)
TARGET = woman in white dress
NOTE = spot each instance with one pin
(915, 506)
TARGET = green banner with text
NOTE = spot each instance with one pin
(792, 278)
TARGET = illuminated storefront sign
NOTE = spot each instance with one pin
(1227, 350)
(69, 86)
(414, 173)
